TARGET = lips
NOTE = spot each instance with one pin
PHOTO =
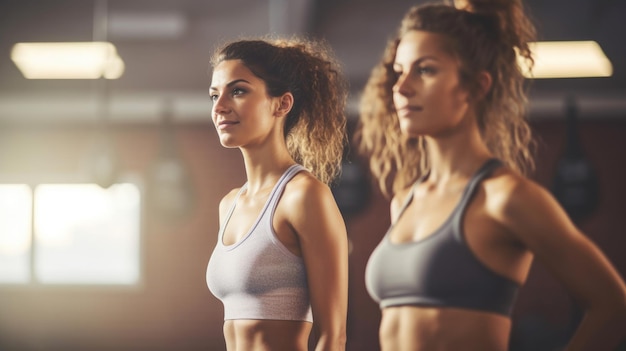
(224, 124)
(408, 109)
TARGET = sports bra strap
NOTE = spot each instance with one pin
(485, 169)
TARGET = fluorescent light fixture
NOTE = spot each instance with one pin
(71, 60)
(165, 25)
(567, 59)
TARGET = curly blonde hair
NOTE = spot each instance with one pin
(315, 128)
(488, 38)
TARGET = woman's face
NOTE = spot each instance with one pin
(427, 95)
(242, 108)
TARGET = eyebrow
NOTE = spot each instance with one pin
(230, 84)
(419, 60)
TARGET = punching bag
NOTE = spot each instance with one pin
(575, 184)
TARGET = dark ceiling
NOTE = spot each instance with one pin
(171, 67)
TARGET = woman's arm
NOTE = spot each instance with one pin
(536, 218)
(321, 230)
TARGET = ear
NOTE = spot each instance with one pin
(285, 103)
(484, 82)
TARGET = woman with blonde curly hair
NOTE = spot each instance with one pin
(280, 265)
(442, 122)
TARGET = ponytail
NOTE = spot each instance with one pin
(516, 28)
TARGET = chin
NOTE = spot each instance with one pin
(228, 143)
(411, 131)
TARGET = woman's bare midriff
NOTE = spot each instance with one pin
(413, 328)
(266, 335)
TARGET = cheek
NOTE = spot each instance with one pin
(456, 100)
(462, 102)
(213, 113)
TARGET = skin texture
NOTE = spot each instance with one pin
(509, 222)
(307, 220)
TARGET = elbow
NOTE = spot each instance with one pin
(332, 340)
(332, 343)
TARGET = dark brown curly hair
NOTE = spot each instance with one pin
(489, 38)
(315, 128)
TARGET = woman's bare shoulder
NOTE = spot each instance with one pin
(305, 183)
(523, 205)
(506, 189)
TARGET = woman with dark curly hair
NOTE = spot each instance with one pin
(442, 122)
(280, 266)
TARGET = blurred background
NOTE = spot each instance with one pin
(109, 188)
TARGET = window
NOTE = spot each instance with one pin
(70, 234)
(15, 233)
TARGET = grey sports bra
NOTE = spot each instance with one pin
(439, 270)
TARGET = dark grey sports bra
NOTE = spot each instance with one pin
(439, 270)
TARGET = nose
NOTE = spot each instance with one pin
(403, 86)
(220, 105)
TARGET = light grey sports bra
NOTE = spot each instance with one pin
(258, 277)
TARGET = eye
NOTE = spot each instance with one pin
(426, 70)
(396, 75)
(238, 91)
(213, 97)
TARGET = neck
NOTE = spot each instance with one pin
(456, 157)
(264, 166)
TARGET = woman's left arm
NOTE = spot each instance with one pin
(536, 218)
(324, 244)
